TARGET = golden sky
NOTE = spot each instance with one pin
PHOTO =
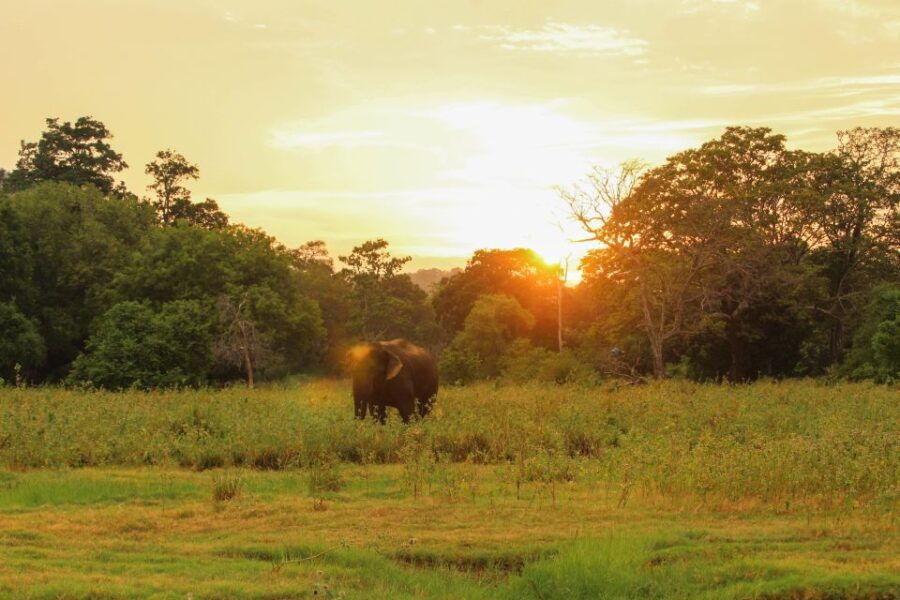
(440, 126)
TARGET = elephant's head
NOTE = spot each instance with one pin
(371, 366)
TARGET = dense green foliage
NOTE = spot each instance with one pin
(66, 246)
(133, 345)
(493, 323)
(876, 349)
(742, 258)
(76, 153)
(100, 288)
(735, 260)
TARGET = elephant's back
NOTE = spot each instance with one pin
(421, 363)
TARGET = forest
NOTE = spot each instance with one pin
(736, 260)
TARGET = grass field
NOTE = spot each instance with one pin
(676, 490)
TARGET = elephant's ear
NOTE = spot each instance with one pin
(393, 366)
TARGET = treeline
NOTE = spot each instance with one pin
(735, 260)
(99, 287)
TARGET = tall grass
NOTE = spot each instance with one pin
(782, 444)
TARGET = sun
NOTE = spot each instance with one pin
(552, 251)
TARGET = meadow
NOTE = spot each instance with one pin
(666, 490)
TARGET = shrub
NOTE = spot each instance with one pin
(226, 486)
(523, 362)
(459, 367)
(20, 343)
(132, 345)
(492, 325)
(876, 345)
(324, 475)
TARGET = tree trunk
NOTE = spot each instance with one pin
(737, 372)
(836, 341)
(659, 365)
(249, 367)
(654, 336)
(559, 313)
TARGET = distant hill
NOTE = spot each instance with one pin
(427, 278)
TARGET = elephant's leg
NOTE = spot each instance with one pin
(424, 406)
(406, 404)
(426, 400)
(406, 411)
(359, 408)
(380, 412)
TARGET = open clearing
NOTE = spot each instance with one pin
(664, 491)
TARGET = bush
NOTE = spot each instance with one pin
(324, 474)
(492, 325)
(876, 345)
(523, 362)
(459, 367)
(21, 342)
(134, 346)
(226, 486)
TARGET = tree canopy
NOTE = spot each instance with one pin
(78, 153)
(736, 259)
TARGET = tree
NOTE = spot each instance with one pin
(134, 345)
(371, 260)
(76, 153)
(183, 262)
(317, 279)
(240, 343)
(61, 247)
(721, 229)
(858, 187)
(740, 204)
(173, 202)
(658, 273)
(876, 346)
(494, 322)
(206, 214)
(385, 303)
(519, 273)
(21, 345)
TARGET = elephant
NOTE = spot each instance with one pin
(395, 373)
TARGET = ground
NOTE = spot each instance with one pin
(667, 490)
(160, 533)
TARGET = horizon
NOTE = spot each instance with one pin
(442, 129)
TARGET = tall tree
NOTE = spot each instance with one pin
(519, 273)
(170, 171)
(658, 272)
(858, 186)
(240, 343)
(316, 278)
(76, 153)
(721, 228)
(386, 303)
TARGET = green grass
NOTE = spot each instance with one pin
(273, 542)
(674, 490)
(53, 488)
(782, 444)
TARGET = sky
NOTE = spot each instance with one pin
(442, 127)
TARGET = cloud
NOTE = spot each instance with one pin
(856, 83)
(299, 138)
(566, 38)
(743, 7)
(885, 107)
